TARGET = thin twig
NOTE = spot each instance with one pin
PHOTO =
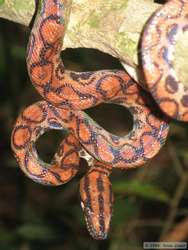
(179, 232)
(174, 205)
(176, 162)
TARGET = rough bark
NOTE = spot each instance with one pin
(112, 26)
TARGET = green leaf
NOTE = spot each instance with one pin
(35, 232)
(123, 210)
(18, 52)
(183, 152)
(145, 190)
(6, 236)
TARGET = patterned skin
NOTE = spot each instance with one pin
(97, 199)
(136, 148)
(67, 94)
(157, 51)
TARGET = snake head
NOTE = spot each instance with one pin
(96, 201)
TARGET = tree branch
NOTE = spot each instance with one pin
(179, 232)
(112, 26)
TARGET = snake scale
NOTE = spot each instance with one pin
(66, 94)
(157, 51)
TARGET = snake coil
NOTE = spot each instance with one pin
(66, 94)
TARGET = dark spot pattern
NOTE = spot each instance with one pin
(66, 94)
(157, 54)
(171, 84)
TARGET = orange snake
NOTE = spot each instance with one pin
(157, 51)
(66, 94)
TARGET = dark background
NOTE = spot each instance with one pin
(149, 201)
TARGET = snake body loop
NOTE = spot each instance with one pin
(60, 87)
(141, 144)
(157, 50)
(79, 90)
(66, 94)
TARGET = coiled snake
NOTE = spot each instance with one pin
(66, 94)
